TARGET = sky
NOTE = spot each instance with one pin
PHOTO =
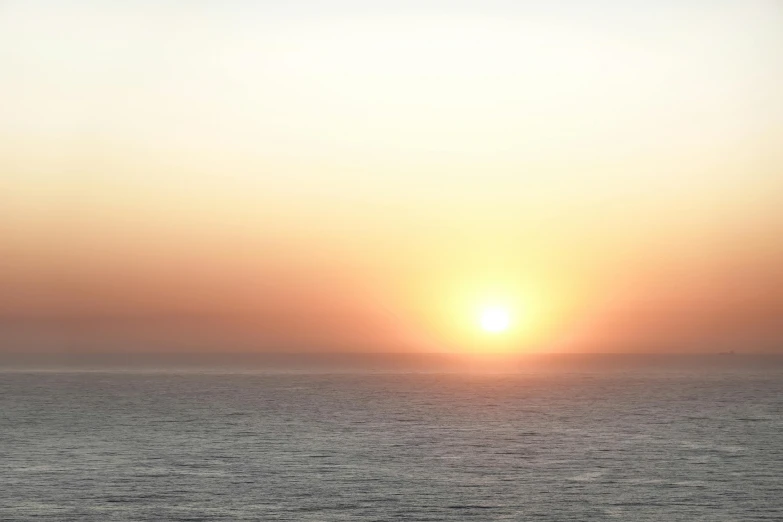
(374, 176)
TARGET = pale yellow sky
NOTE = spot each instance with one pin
(337, 176)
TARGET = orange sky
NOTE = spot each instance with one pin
(241, 176)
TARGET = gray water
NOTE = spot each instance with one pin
(555, 446)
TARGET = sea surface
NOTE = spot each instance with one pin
(594, 442)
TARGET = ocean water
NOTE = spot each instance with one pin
(639, 443)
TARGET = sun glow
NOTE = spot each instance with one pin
(495, 319)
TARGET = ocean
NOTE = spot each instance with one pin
(650, 440)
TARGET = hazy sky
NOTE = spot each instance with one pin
(369, 175)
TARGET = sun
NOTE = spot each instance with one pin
(495, 319)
